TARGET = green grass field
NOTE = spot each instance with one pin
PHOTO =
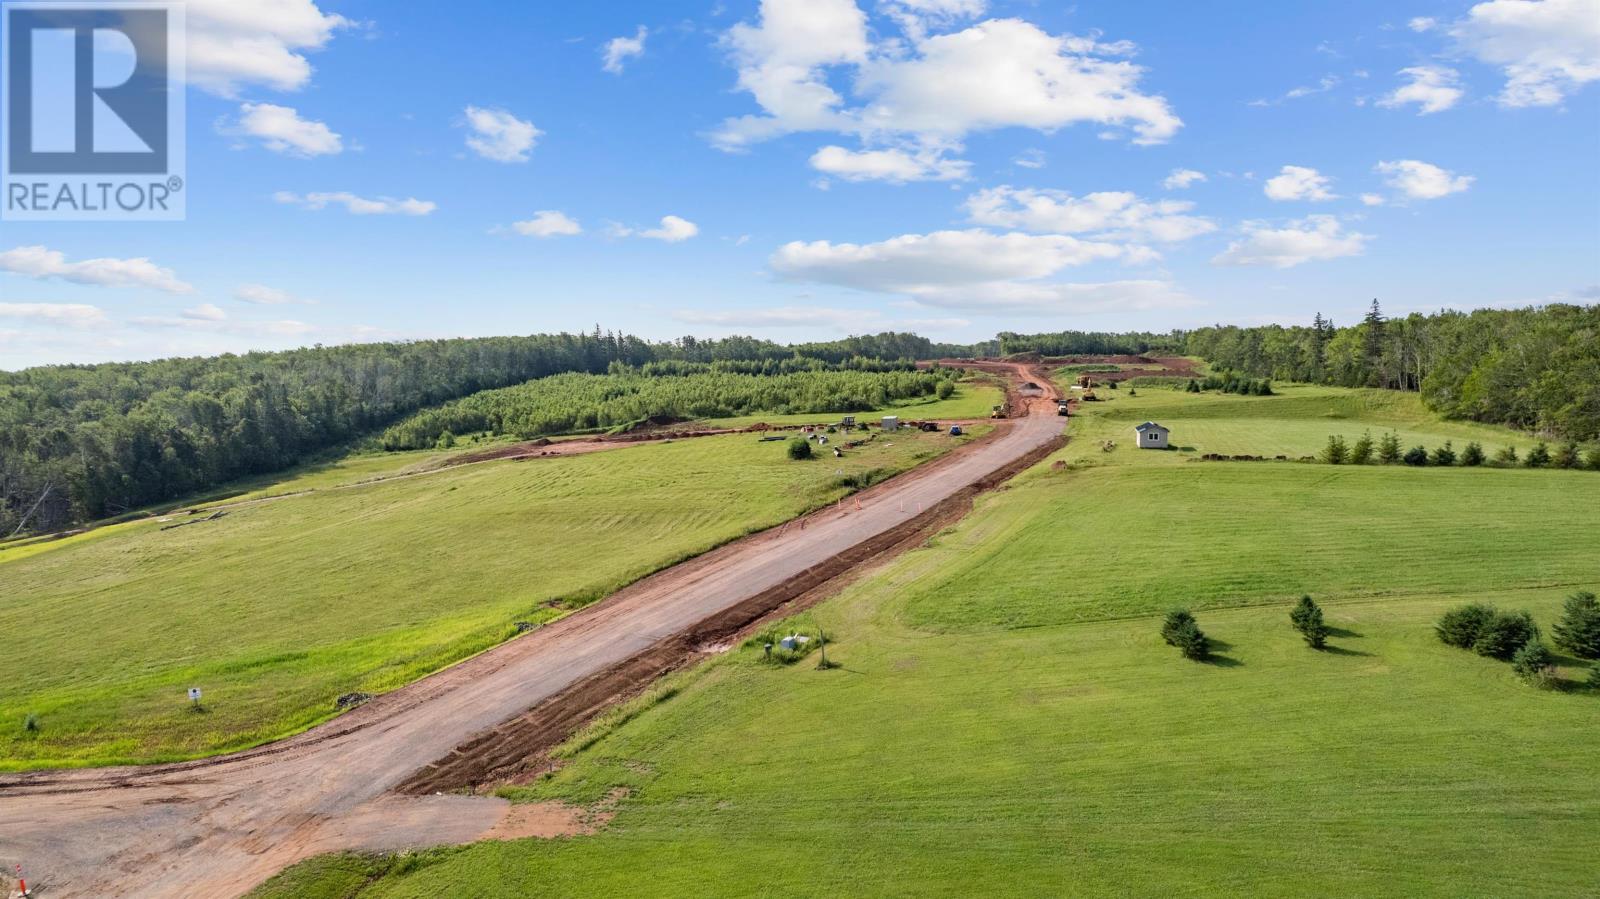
(281, 606)
(1008, 722)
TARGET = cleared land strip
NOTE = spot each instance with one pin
(218, 827)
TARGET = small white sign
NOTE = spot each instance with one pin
(194, 694)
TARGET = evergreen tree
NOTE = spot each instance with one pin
(1361, 452)
(1566, 456)
(1417, 455)
(1374, 322)
(1472, 456)
(1444, 455)
(1192, 642)
(1538, 457)
(1307, 619)
(1507, 456)
(1504, 634)
(1578, 631)
(799, 449)
(1334, 453)
(1460, 626)
(1176, 620)
(1320, 328)
(1592, 461)
(1534, 663)
(1389, 449)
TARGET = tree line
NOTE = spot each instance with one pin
(81, 442)
(577, 401)
(1536, 369)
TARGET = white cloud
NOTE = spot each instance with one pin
(672, 230)
(1324, 84)
(1112, 215)
(1182, 179)
(1372, 199)
(1295, 182)
(1422, 23)
(894, 166)
(619, 50)
(1030, 159)
(262, 295)
(1316, 237)
(1432, 88)
(500, 136)
(357, 205)
(232, 43)
(547, 223)
(974, 270)
(69, 315)
(1422, 181)
(205, 312)
(281, 130)
(41, 262)
(1547, 48)
(930, 89)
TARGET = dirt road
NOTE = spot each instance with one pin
(218, 827)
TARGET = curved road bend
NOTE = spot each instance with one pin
(219, 827)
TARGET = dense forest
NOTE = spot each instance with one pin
(79, 442)
(1536, 368)
(1088, 343)
(575, 401)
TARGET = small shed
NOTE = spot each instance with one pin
(1152, 436)
(891, 422)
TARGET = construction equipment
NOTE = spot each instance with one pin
(1085, 381)
(998, 412)
(929, 426)
(1062, 410)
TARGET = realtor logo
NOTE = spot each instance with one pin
(92, 111)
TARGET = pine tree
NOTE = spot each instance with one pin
(1320, 329)
(1538, 457)
(1534, 663)
(1374, 345)
(1307, 619)
(1389, 449)
(1444, 455)
(1472, 456)
(1578, 631)
(1361, 452)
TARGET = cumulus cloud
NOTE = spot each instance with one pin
(1030, 159)
(1295, 182)
(1421, 180)
(927, 89)
(262, 295)
(357, 205)
(1182, 179)
(67, 315)
(1422, 23)
(205, 312)
(1112, 215)
(282, 130)
(672, 230)
(1547, 48)
(547, 223)
(1372, 199)
(233, 44)
(895, 166)
(1316, 237)
(973, 269)
(1432, 88)
(41, 262)
(500, 136)
(619, 50)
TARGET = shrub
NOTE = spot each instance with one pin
(1507, 456)
(1417, 455)
(1538, 457)
(1504, 634)
(31, 723)
(945, 390)
(1472, 456)
(1176, 620)
(1444, 455)
(799, 449)
(1534, 664)
(1461, 626)
(1389, 449)
(1307, 619)
(1194, 386)
(1594, 676)
(1566, 456)
(1334, 453)
(1578, 631)
(1111, 385)
(1264, 388)
(446, 440)
(1592, 461)
(1192, 642)
(1361, 451)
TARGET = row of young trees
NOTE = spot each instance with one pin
(576, 402)
(1514, 637)
(1387, 451)
(1536, 368)
(80, 442)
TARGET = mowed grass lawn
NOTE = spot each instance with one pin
(1008, 722)
(279, 607)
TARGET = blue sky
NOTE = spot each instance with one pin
(803, 169)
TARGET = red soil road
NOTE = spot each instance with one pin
(218, 827)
